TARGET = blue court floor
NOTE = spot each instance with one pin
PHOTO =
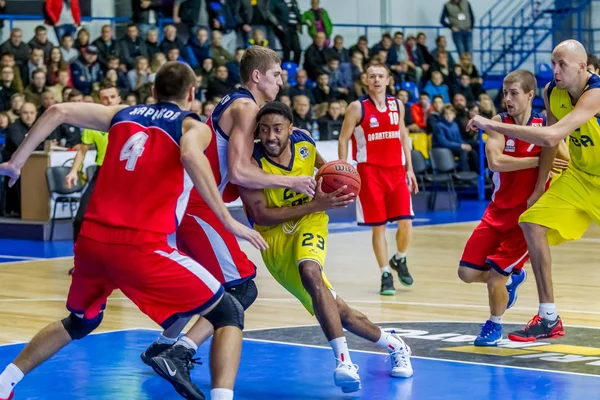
(107, 366)
(12, 250)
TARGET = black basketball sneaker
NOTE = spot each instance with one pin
(173, 365)
(402, 269)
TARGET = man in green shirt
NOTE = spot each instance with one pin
(109, 96)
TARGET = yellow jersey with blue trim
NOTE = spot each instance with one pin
(302, 163)
(585, 156)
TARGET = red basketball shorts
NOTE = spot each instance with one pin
(203, 237)
(488, 247)
(163, 282)
(384, 195)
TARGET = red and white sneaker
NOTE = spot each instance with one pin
(12, 394)
(538, 328)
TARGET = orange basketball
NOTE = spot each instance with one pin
(338, 173)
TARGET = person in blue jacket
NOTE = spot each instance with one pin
(446, 134)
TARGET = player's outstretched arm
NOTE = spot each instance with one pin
(194, 141)
(407, 148)
(351, 120)
(587, 107)
(93, 116)
(499, 162)
(256, 205)
(239, 155)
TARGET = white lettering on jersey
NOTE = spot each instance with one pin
(383, 135)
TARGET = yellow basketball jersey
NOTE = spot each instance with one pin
(302, 163)
(582, 142)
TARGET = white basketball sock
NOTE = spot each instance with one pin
(9, 379)
(162, 339)
(340, 350)
(496, 319)
(388, 342)
(187, 343)
(221, 394)
(400, 256)
(385, 269)
(548, 311)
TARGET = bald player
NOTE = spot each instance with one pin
(566, 210)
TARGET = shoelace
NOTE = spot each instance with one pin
(340, 362)
(536, 320)
(196, 360)
(487, 329)
(404, 354)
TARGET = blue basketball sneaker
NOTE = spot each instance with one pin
(490, 335)
(513, 286)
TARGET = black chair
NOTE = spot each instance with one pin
(444, 168)
(90, 172)
(57, 185)
(419, 166)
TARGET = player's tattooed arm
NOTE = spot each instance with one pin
(500, 162)
(351, 120)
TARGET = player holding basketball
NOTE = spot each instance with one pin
(295, 228)
(497, 248)
(565, 211)
(201, 235)
(123, 241)
(383, 151)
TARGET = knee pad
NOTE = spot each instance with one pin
(228, 312)
(78, 328)
(246, 293)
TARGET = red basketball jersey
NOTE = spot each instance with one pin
(142, 184)
(376, 139)
(512, 189)
(217, 151)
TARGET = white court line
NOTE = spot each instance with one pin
(428, 358)
(20, 257)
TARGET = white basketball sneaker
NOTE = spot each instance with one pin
(346, 377)
(401, 366)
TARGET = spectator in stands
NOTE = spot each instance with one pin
(443, 66)
(219, 54)
(36, 61)
(192, 13)
(317, 20)
(301, 88)
(152, 45)
(121, 82)
(62, 81)
(398, 59)
(459, 102)
(331, 123)
(437, 87)
(258, 38)
(69, 54)
(436, 114)
(63, 15)
(242, 12)
(107, 46)
(338, 48)
(233, 67)
(40, 41)
(464, 87)
(315, 57)
(486, 106)
(2, 11)
(55, 64)
(593, 64)
(403, 96)
(361, 85)
(302, 118)
(420, 111)
(145, 14)
(384, 44)
(362, 46)
(173, 55)
(16, 102)
(7, 87)
(417, 58)
(198, 48)
(33, 92)
(472, 137)
(17, 47)
(466, 63)
(447, 135)
(170, 41)
(48, 100)
(138, 77)
(8, 60)
(131, 99)
(440, 47)
(288, 14)
(357, 65)
(263, 18)
(323, 93)
(66, 92)
(340, 80)
(221, 20)
(219, 85)
(131, 46)
(207, 71)
(83, 40)
(422, 45)
(86, 70)
(457, 15)
(285, 100)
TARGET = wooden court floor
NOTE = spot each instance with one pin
(33, 293)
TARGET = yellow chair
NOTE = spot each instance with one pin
(422, 142)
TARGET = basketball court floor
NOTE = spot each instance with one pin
(285, 355)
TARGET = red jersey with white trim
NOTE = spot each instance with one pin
(142, 184)
(217, 151)
(376, 139)
(512, 189)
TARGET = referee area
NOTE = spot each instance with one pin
(285, 354)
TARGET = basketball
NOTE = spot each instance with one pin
(338, 173)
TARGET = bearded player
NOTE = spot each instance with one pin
(382, 149)
(295, 228)
(497, 248)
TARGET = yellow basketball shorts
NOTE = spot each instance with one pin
(568, 207)
(292, 243)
